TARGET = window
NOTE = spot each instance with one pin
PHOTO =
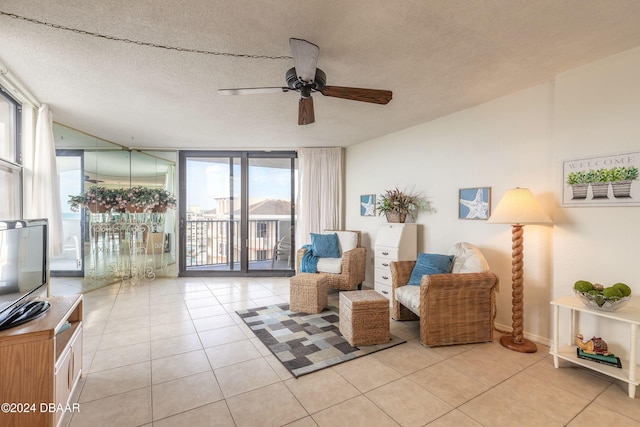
(10, 158)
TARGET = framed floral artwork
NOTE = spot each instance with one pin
(474, 203)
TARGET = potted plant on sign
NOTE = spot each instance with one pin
(579, 184)
(397, 205)
(599, 179)
(621, 179)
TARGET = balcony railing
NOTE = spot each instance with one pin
(216, 243)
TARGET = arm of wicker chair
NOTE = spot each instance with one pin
(299, 255)
(353, 266)
(457, 308)
(400, 274)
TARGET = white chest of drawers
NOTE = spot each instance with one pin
(394, 242)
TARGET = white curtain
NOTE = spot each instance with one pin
(45, 191)
(320, 176)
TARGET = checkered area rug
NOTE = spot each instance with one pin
(302, 342)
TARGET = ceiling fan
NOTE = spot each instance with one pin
(305, 78)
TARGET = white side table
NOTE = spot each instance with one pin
(630, 315)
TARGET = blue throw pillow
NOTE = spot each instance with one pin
(325, 245)
(430, 264)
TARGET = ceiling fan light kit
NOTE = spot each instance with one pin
(317, 84)
(306, 78)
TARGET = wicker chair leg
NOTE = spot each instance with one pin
(360, 287)
(400, 312)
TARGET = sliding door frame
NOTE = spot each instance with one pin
(244, 157)
(84, 218)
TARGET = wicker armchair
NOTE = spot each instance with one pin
(352, 269)
(454, 308)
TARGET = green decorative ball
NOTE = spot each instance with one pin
(626, 290)
(583, 286)
(612, 293)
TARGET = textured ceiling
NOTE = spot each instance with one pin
(437, 57)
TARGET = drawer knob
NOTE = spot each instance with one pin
(385, 253)
(385, 264)
(385, 277)
(385, 292)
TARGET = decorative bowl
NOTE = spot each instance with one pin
(599, 302)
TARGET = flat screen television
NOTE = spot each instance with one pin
(23, 270)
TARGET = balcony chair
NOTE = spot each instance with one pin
(453, 308)
(72, 244)
(347, 272)
(281, 250)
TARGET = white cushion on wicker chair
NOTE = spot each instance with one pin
(468, 259)
(409, 296)
(329, 265)
(347, 240)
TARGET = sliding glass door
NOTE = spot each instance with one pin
(236, 213)
(270, 212)
(71, 180)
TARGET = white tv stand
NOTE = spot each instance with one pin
(629, 315)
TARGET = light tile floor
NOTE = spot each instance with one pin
(172, 352)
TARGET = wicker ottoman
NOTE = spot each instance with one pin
(364, 317)
(308, 292)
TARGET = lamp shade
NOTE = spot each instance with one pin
(518, 206)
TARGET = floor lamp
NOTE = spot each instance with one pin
(518, 207)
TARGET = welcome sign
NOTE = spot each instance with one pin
(602, 181)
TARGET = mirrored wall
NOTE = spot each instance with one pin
(116, 244)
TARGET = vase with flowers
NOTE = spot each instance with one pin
(137, 199)
(97, 199)
(397, 205)
(160, 200)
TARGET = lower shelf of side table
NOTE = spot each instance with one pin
(569, 353)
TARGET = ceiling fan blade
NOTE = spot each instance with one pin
(252, 90)
(305, 111)
(374, 96)
(305, 56)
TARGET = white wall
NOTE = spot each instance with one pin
(518, 140)
(597, 112)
